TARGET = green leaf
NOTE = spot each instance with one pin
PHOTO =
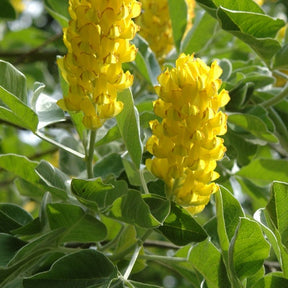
(238, 147)
(38, 88)
(272, 280)
(185, 269)
(254, 125)
(159, 206)
(127, 239)
(247, 21)
(79, 226)
(211, 228)
(178, 16)
(112, 135)
(14, 95)
(55, 179)
(14, 81)
(8, 116)
(69, 163)
(244, 5)
(13, 217)
(6, 10)
(132, 209)
(268, 219)
(281, 58)
(181, 228)
(86, 268)
(266, 48)
(264, 171)
(200, 34)
(27, 189)
(256, 30)
(206, 258)
(157, 187)
(228, 211)
(147, 116)
(257, 25)
(281, 130)
(277, 209)
(129, 126)
(42, 175)
(97, 195)
(29, 38)
(259, 195)
(27, 258)
(9, 245)
(240, 95)
(251, 281)
(109, 165)
(20, 166)
(146, 61)
(273, 236)
(37, 248)
(248, 249)
(48, 111)
(58, 10)
(133, 174)
(30, 229)
(262, 113)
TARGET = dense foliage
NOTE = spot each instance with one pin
(79, 207)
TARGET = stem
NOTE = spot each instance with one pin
(136, 253)
(113, 241)
(90, 154)
(281, 74)
(132, 262)
(165, 259)
(160, 244)
(278, 98)
(143, 182)
(125, 252)
(59, 145)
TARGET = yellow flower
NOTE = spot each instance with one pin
(97, 40)
(18, 5)
(156, 25)
(185, 144)
(259, 2)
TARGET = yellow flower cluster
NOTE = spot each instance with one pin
(156, 25)
(185, 144)
(97, 40)
(259, 2)
(18, 5)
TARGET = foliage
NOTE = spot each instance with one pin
(117, 229)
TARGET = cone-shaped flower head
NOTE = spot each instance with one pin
(185, 144)
(97, 39)
(156, 25)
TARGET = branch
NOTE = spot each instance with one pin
(34, 54)
(160, 244)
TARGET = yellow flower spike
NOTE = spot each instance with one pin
(97, 39)
(185, 144)
(156, 26)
